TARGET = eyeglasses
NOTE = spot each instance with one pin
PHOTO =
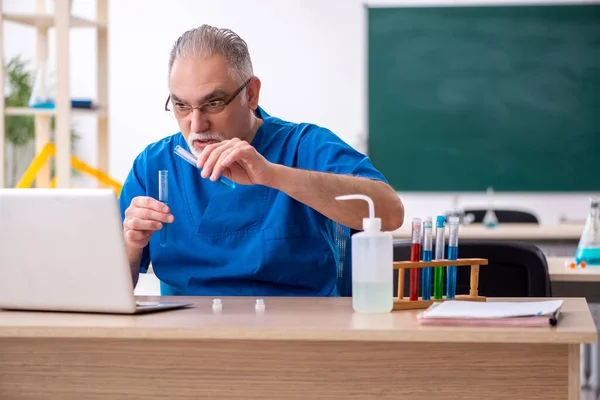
(181, 110)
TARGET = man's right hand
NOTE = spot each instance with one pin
(144, 216)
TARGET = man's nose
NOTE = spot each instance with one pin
(199, 122)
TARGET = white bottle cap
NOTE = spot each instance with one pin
(217, 305)
(370, 224)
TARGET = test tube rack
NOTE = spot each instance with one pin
(402, 303)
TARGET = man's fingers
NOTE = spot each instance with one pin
(138, 224)
(151, 215)
(137, 236)
(208, 150)
(215, 153)
(219, 166)
(147, 208)
(148, 214)
(149, 202)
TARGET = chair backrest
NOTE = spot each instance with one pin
(515, 269)
(504, 216)
(343, 239)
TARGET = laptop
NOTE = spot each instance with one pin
(63, 250)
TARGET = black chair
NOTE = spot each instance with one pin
(514, 269)
(504, 216)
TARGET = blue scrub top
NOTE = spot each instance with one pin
(252, 240)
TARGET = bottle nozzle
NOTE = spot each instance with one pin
(360, 197)
(371, 223)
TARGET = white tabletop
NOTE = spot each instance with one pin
(508, 232)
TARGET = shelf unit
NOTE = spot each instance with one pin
(62, 21)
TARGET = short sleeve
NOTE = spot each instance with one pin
(321, 150)
(135, 185)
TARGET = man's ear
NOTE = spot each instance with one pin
(253, 91)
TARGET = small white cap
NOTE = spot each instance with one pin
(260, 305)
(217, 305)
(371, 224)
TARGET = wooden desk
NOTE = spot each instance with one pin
(298, 349)
(574, 282)
(558, 272)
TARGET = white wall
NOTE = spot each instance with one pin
(310, 55)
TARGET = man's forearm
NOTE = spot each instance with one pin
(319, 190)
(134, 255)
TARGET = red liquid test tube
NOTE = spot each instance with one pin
(415, 255)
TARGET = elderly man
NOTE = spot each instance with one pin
(273, 234)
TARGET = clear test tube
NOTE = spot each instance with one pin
(427, 256)
(192, 160)
(163, 196)
(415, 255)
(453, 224)
(438, 272)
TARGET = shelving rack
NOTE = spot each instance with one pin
(62, 21)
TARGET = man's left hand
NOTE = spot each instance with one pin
(237, 160)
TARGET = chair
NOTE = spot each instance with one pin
(514, 269)
(504, 216)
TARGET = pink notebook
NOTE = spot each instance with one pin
(492, 314)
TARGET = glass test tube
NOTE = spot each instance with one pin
(192, 160)
(427, 256)
(415, 253)
(452, 255)
(163, 196)
(438, 278)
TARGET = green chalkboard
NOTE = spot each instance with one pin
(463, 98)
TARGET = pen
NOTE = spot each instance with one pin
(438, 278)
(190, 158)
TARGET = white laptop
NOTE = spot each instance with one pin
(63, 250)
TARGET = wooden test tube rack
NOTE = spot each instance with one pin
(402, 303)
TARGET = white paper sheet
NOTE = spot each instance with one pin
(475, 309)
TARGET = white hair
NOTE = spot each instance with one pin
(206, 41)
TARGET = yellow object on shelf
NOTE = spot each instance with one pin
(50, 150)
